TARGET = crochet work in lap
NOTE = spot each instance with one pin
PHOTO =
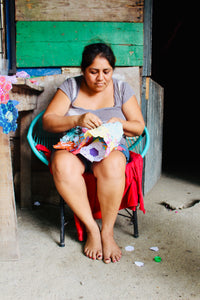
(94, 144)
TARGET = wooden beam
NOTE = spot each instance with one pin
(9, 249)
(26, 93)
(80, 10)
(148, 17)
(154, 98)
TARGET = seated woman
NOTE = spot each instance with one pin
(88, 101)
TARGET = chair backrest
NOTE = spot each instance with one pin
(38, 136)
(139, 144)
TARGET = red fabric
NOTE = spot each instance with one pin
(45, 150)
(132, 193)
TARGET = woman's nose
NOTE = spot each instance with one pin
(100, 76)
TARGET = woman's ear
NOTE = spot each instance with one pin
(82, 72)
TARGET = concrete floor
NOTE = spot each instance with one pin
(46, 271)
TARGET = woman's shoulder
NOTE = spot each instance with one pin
(70, 81)
(71, 86)
(123, 89)
(121, 83)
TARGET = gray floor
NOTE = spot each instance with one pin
(46, 271)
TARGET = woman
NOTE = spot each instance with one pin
(88, 101)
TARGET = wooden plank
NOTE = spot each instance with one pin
(154, 99)
(148, 17)
(10, 42)
(9, 249)
(25, 84)
(80, 10)
(26, 93)
(41, 71)
(45, 44)
(25, 162)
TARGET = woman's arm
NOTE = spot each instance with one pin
(134, 123)
(55, 119)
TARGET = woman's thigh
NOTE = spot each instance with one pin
(65, 163)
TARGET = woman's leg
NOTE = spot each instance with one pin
(110, 174)
(67, 173)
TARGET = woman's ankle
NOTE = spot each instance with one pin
(107, 232)
(92, 228)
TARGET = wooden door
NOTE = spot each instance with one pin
(152, 106)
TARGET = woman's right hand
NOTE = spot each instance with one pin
(89, 120)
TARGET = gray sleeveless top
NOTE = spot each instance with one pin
(122, 93)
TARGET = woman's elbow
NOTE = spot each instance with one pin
(45, 122)
(139, 127)
(142, 126)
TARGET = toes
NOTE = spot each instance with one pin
(112, 258)
(107, 260)
(99, 255)
(93, 255)
(115, 259)
(90, 254)
(86, 252)
(118, 257)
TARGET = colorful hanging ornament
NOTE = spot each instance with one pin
(5, 87)
(8, 116)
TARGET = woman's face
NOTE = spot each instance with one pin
(99, 74)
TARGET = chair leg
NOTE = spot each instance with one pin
(135, 224)
(62, 222)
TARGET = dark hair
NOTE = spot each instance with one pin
(91, 51)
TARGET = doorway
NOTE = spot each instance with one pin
(172, 68)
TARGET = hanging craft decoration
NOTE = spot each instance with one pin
(8, 116)
(5, 87)
(8, 111)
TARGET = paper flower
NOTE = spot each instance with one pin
(5, 87)
(22, 74)
(8, 116)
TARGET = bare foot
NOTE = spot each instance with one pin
(93, 247)
(111, 251)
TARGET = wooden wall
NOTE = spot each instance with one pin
(48, 32)
(53, 44)
(154, 106)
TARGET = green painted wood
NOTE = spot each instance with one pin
(53, 44)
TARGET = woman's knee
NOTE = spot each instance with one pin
(111, 167)
(65, 165)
